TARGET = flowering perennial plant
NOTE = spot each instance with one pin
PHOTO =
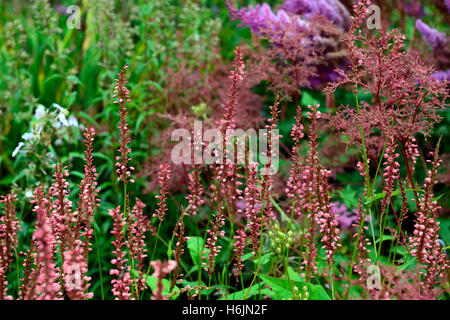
(286, 222)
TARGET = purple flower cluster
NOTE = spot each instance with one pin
(344, 216)
(441, 75)
(439, 42)
(261, 17)
(333, 10)
(298, 16)
(431, 36)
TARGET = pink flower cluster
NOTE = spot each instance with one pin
(327, 220)
(163, 178)
(122, 94)
(9, 228)
(253, 209)
(424, 242)
(122, 283)
(214, 232)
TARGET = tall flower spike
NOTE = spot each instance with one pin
(163, 178)
(362, 243)
(75, 268)
(46, 272)
(88, 194)
(313, 206)
(327, 220)
(122, 281)
(136, 243)
(294, 182)
(179, 250)
(9, 228)
(391, 172)
(122, 96)
(226, 170)
(253, 207)
(239, 246)
(62, 218)
(269, 155)
(214, 233)
(424, 242)
(28, 284)
(195, 190)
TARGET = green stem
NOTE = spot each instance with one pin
(99, 262)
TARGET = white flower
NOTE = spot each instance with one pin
(73, 122)
(28, 136)
(40, 111)
(17, 149)
(63, 120)
(61, 109)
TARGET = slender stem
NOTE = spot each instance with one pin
(350, 270)
(99, 262)
(156, 241)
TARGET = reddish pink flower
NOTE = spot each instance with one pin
(136, 243)
(214, 232)
(122, 281)
(9, 228)
(253, 208)
(122, 95)
(163, 178)
(46, 273)
(239, 246)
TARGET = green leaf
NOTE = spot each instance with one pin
(280, 287)
(196, 246)
(265, 258)
(317, 292)
(247, 256)
(254, 290)
(382, 195)
(152, 282)
(411, 262)
(388, 237)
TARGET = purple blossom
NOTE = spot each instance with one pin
(447, 3)
(261, 17)
(345, 217)
(441, 75)
(333, 10)
(431, 36)
(296, 16)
